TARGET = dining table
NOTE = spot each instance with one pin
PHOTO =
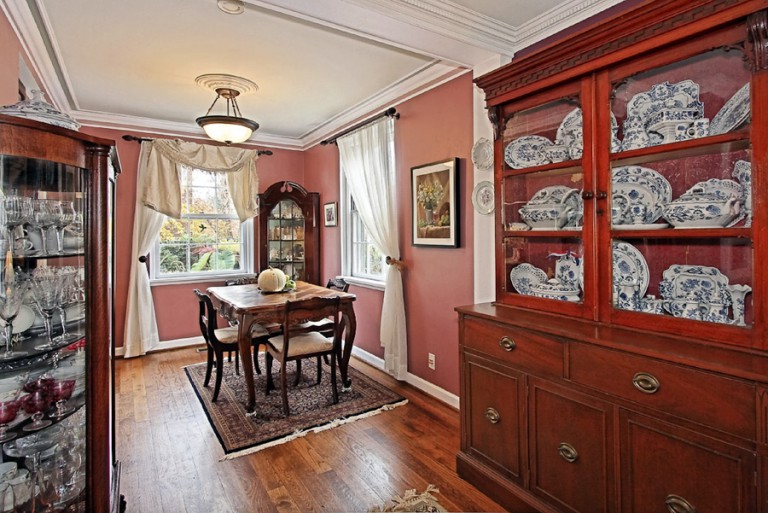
(248, 304)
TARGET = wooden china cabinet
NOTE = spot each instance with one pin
(289, 231)
(624, 364)
(65, 459)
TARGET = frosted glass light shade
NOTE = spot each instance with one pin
(227, 129)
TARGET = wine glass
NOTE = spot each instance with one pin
(46, 291)
(35, 404)
(43, 217)
(70, 295)
(13, 289)
(61, 391)
(64, 216)
(18, 210)
(9, 410)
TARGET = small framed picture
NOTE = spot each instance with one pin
(435, 204)
(330, 215)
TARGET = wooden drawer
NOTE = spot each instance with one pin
(718, 401)
(523, 349)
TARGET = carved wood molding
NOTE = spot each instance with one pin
(642, 22)
(758, 38)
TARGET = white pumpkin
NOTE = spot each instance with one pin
(271, 280)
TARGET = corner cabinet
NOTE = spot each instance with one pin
(289, 231)
(57, 369)
(623, 366)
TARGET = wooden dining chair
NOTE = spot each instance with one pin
(297, 345)
(272, 329)
(220, 340)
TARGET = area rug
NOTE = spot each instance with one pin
(413, 501)
(311, 405)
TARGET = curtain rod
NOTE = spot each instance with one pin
(143, 139)
(389, 113)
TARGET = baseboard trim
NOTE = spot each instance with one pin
(369, 358)
(413, 380)
(168, 345)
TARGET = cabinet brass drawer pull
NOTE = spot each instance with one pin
(507, 344)
(567, 452)
(676, 504)
(492, 415)
(646, 383)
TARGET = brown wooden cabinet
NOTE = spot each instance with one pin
(289, 231)
(67, 381)
(631, 232)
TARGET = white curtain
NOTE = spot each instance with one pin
(158, 196)
(368, 162)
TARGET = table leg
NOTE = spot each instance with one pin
(350, 326)
(244, 343)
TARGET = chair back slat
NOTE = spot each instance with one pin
(312, 309)
(338, 284)
(207, 317)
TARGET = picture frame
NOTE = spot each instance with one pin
(330, 214)
(435, 204)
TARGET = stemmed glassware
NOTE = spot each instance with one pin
(43, 217)
(46, 291)
(13, 289)
(18, 210)
(70, 295)
(65, 215)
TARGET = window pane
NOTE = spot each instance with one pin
(202, 230)
(174, 230)
(173, 258)
(228, 230)
(224, 203)
(202, 178)
(202, 200)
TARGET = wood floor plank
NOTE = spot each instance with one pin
(172, 460)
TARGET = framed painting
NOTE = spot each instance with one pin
(330, 214)
(435, 204)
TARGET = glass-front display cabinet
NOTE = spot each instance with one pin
(290, 230)
(644, 207)
(56, 367)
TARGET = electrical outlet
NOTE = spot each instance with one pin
(431, 361)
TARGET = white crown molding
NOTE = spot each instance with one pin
(422, 80)
(558, 18)
(28, 33)
(171, 129)
(449, 19)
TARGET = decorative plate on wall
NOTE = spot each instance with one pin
(482, 197)
(482, 154)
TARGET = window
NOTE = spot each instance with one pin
(366, 260)
(208, 240)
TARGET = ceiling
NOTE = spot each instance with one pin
(320, 64)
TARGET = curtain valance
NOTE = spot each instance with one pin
(161, 164)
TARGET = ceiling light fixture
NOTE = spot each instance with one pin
(231, 128)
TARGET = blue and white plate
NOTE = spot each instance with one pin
(734, 113)
(527, 151)
(525, 276)
(630, 271)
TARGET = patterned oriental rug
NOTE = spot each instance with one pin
(413, 502)
(312, 409)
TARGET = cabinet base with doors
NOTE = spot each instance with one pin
(289, 231)
(624, 364)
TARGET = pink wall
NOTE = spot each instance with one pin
(433, 126)
(9, 63)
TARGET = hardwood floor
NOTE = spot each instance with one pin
(171, 458)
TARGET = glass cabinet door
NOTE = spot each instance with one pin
(680, 192)
(542, 214)
(286, 239)
(42, 352)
